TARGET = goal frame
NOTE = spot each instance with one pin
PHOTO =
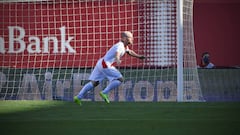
(180, 50)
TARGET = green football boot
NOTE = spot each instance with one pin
(77, 100)
(104, 97)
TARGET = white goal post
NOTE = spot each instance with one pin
(180, 50)
(48, 49)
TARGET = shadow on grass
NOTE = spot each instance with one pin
(98, 118)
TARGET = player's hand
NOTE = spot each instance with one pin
(142, 57)
(118, 61)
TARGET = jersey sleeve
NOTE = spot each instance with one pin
(120, 49)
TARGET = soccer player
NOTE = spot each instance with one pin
(105, 69)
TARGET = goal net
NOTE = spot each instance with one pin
(48, 49)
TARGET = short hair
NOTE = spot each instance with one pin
(205, 53)
(126, 34)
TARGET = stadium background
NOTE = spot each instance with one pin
(216, 31)
(218, 23)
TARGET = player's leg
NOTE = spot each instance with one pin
(89, 86)
(115, 78)
(96, 77)
(112, 85)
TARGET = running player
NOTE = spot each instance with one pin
(105, 69)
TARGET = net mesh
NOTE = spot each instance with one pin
(49, 48)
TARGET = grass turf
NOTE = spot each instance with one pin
(118, 118)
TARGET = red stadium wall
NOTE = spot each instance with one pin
(216, 30)
(88, 28)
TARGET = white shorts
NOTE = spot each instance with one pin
(100, 72)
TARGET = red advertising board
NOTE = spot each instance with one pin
(64, 34)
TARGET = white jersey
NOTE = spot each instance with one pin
(104, 68)
(110, 56)
(210, 65)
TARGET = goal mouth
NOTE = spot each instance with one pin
(48, 49)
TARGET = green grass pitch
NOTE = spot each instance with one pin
(119, 118)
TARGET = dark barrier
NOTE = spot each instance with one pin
(220, 84)
(154, 85)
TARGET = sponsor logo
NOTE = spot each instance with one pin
(17, 43)
(30, 88)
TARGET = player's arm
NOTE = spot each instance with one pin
(117, 57)
(134, 54)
